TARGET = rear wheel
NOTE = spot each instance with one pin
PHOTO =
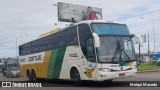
(7, 76)
(4, 74)
(33, 76)
(28, 75)
(75, 77)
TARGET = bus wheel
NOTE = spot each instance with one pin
(75, 77)
(33, 76)
(28, 75)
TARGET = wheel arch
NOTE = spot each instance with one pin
(28, 71)
(75, 67)
(33, 70)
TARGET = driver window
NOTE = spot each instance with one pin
(90, 50)
(127, 45)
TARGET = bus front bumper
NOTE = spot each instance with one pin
(117, 74)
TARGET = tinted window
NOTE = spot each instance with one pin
(84, 33)
(84, 30)
(61, 39)
(71, 36)
(90, 50)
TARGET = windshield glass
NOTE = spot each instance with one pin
(115, 43)
(110, 28)
(115, 49)
(14, 69)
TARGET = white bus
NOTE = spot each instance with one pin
(89, 50)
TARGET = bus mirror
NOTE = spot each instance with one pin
(131, 36)
(96, 40)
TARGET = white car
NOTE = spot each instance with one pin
(13, 72)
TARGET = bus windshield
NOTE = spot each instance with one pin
(110, 28)
(115, 43)
(115, 49)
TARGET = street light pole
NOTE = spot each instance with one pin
(153, 30)
(148, 46)
(16, 42)
(16, 48)
(153, 35)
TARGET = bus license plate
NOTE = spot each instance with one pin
(122, 74)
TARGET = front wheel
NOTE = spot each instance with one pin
(76, 77)
(4, 74)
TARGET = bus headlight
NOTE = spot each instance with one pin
(134, 67)
(104, 69)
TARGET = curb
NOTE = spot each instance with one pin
(157, 70)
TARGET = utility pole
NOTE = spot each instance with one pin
(139, 51)
(154, 37)
(148, 47)
(16, 37)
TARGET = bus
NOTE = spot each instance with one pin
(12, 63)
(93, 50)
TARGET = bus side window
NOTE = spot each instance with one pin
(71, 36)
(90, 50)
(20, 50)
(84, 33)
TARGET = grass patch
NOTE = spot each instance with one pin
(150, 66)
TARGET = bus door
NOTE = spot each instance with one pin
(90, 66)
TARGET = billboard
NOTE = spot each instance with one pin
(75, 13)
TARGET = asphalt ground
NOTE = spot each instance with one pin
(116, 84)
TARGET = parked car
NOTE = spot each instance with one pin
(13, 72)
(158, 60)
(155, 59)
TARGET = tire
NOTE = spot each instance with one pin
(10, 76)
(28, 75)
(33, 76)
(7, 76)
(3, 75)
(75, 77)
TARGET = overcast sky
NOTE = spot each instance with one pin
(34, 17)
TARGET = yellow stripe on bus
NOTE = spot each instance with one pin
(40, 68)
(44, 66)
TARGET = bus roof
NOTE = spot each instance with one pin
(50, 32)
(97, 21)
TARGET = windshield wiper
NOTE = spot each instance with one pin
(116, 52)
(119, 50)
(126, 55)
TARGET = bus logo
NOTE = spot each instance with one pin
(89, 73)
